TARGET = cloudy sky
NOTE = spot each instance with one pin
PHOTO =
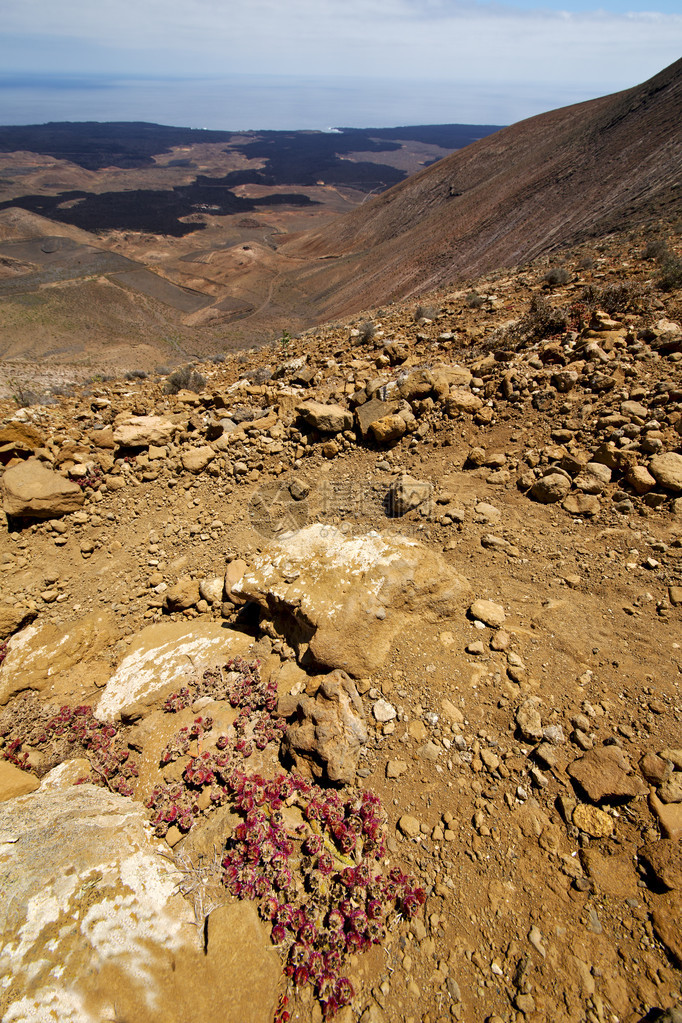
(511, 58)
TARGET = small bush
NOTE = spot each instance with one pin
(425, 312)
(670, 278)
(185, 379)
(367, 330)
(474, 300)
(656, 248)
(162, 371)
(586, 263)
(217, 359)
(136, 374)
(542, 320)
(556, 276)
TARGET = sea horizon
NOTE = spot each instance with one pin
(266, 102)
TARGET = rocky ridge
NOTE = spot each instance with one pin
(452, 537)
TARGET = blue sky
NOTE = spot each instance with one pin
(550, 52)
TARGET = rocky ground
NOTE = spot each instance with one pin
(452, 538)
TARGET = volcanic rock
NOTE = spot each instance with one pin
(605, 774)
(340, 601)
(329, 731)
(30, 490)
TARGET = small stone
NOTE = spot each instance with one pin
(605, 774)
(592, 821)
(525, 1004)
(529, 721)
(409, 826)
(655, 769)
(417, 730)
(490, 759)
(395, 768)
(550, 489)
(664, 860)
(488, 612)
(666, 920)
(384, 711)
(671, 790)
(500, 640)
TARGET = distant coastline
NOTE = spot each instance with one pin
(258, 102)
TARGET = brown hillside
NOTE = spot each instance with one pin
(547, 181)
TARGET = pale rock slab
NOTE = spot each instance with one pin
(163, 658)
(143, 431)
(340, 601)
(94, 928)
(31, 490)
(58, 659)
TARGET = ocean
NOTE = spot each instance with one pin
(266, 102)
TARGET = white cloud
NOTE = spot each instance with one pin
(457, 40)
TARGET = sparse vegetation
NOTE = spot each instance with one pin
(425, 312)
(656, 248)
(541, 320)
(670, 277)
(136, 374)
(367, 331)
(187, 378)
(558, 275)
(474, 301)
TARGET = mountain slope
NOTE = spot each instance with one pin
(547, 181)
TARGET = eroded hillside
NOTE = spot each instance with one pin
(452, 537)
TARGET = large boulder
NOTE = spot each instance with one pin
(141, 431)
(325, 418)
(667, 470)
(161, 659)
(94, 927)
(30, 490)
(63, 662)
(340, 601)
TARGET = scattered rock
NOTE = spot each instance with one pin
(30, 490)
(664, 860)
(606, 774)
(550, 489)
(529, 721)
(329, 731)
(488, 612)
(409, 826)
(407, 493)
(142, 431)
(592, 821)
(667, 470)
(325, 418)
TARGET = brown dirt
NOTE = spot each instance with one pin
(527, 918)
